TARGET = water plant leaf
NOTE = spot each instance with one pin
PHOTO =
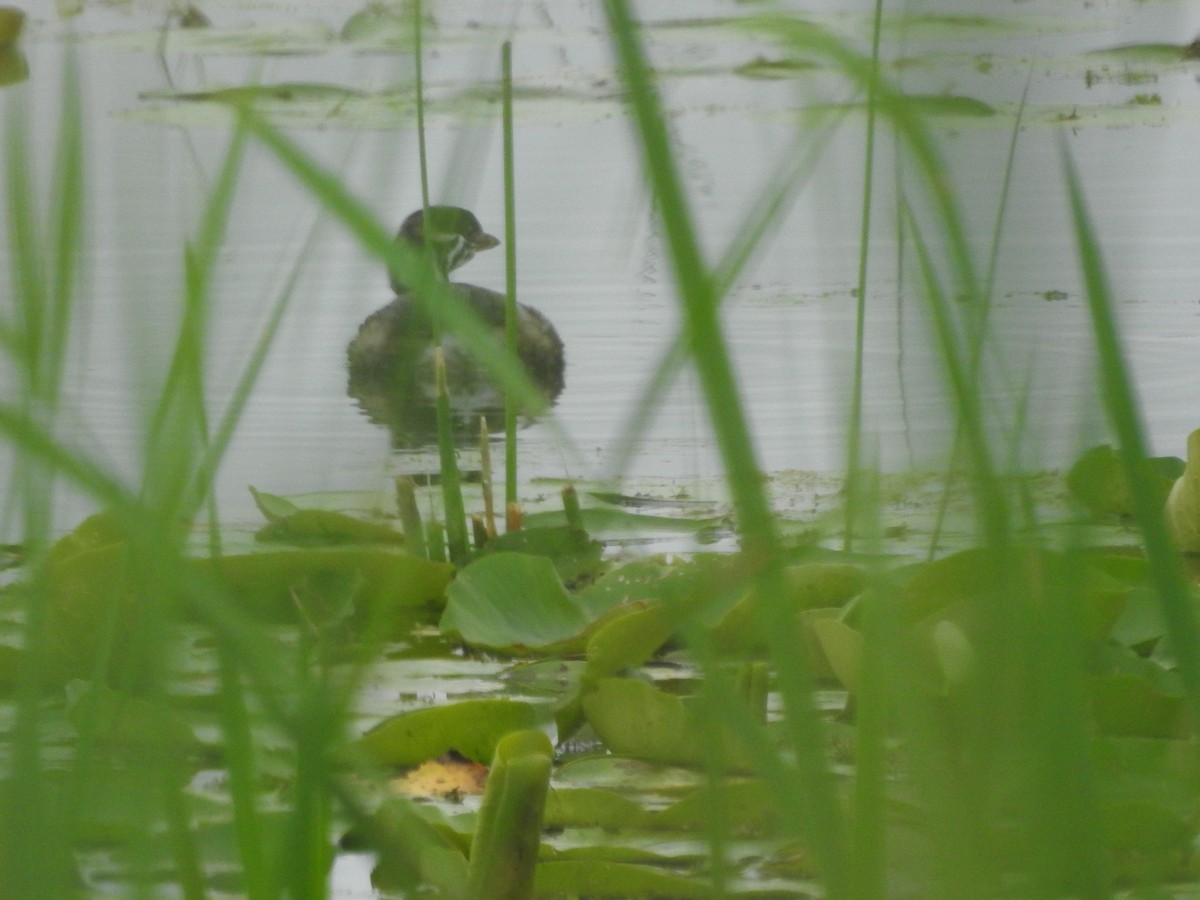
(471, 728)
(1097, 480)
(575, 555)
(263, 582)
(635, 718)
(606, 520)
(1145, 53)
(601, 878)
(624, 774)
(118, 719)
(1183, 501)
(97, 530)
(413, 851)
(706, 582)
(761, 67)
(1127, 704)
(1140, 625)
(504, 848)
(628, 637)
(592, 808)
(1148, 842)
(12, 20)
(511, 601)
(842, 646)
(14, 67)
(87, 580)
(820, 585)
(966, 576)
(320, 527)
(949, 105)
(272, 506)
(376, 25)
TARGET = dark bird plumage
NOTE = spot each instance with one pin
(390, 359)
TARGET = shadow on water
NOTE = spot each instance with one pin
(390, 360)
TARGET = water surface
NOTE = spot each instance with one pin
(591, 254)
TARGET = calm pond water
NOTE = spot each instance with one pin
(590, 253)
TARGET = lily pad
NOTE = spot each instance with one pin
(748, 806)
(471, 728)
(512, 601)
(592, 808)
(134, 723)
(973, 575)
(1097, 480)
(842, 646)
(264, 582)
(576, 556)
(1126, 704)
(272, 506)
(322, 528)
(414, 852)
(635, 718)
(600, 878)
(708, 583)
(810, 586)
(12, 20)
(628, 638)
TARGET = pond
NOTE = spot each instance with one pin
(592, 253)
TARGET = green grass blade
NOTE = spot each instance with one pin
(1116, 388)
(452, 498)
(854, 428)
(35, 850)
(715, 370)
(419, 75)
(510, 270)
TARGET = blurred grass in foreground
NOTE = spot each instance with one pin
(987, 785)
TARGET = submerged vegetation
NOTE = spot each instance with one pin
(189, 710)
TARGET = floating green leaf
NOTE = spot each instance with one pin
(576, 556)
(592, 808)
(509, 601)
(809, 586)
(117, 719)
(635, 718)
(264, 582)
(413, 852)
(12, 20)
(1126, 704)
(324, 528)
(748, 805)
(273, 507)
(600, 878)
(629, 637)
(842, 646)
(471, 728)
(1097, 480)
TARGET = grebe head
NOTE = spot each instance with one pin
(453, 233)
